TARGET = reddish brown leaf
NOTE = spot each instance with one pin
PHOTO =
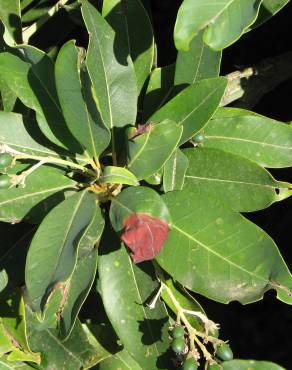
(141, 129)
(144, 235)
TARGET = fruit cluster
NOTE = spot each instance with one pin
(179, 346)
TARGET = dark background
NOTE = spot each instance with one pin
(259, 330)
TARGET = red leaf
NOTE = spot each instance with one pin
(144, 235)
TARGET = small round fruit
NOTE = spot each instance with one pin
(178, 345)
(4, 182)
(224, 352)
(214, 367)
(5, 160)
(190, 364)
(199, 138)
(178, 332)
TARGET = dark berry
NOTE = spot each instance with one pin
(178, 345)
(178, 332)
(4, 182)
(199, 138)
(190, 364)
(5, 160)
(224, 352)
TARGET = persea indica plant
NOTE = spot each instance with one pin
(133, 178)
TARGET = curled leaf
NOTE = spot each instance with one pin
(144, 235)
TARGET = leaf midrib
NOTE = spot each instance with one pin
(236, 182)
(103, 66)
(230, 138)
(190, 237)
(28, 195)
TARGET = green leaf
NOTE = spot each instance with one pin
(80, 351)
(7, 97)
(16, 132)
(111, 71)
(137, 200)
(220, 17)
(13, 340)
(227, 29)
(11, 18)
(239, 182)
(174, 171)
(216, 252)
(193, 107)
(80, 282)
(31, 77)
(263, 140)
(125, 289)
(79, 109)
(8, 365)
(118, 175)
(268, 9)
(196, 64)
(120, 360)
(43, 189)
(148, 152)
(250, 365)
(159, 89)
(53, 251)
(133, 29)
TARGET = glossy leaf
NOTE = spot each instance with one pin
(174, 171)
(7, 97)
(15, 131)
(239, 182)
(80, 350)
(159, 89)
(197, 63)
(79, 108)
(263, 140)
(193, 107)
(8, 365)
(268, 9)
(111, 71)
(31, 77)
(13, 340)
(53, 251)
(226, 28)
(118, 175)
(148, 152)
(133, 29)
(125, 289)
(242, 261)
(82, 277)
(220, 17)
(11, 18)
(43, 190)
(120, 360)
(137, 200)
(250, 365)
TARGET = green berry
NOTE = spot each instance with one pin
(5, 160)
(214, 367)
(190, 364)
(224, 352)
(199, 138)
(178, 332)
(4, 182)
(178, 345)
